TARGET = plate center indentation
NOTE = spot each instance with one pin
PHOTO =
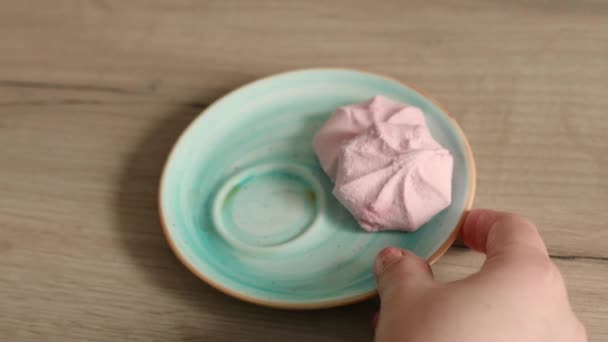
(267, 206)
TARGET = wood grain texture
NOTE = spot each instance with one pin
(93, 94)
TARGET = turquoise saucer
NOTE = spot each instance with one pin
(246, 207)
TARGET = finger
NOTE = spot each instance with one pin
(401, 273)
(497, 233)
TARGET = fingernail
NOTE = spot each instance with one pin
(386, 257)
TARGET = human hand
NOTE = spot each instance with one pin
(517, 295)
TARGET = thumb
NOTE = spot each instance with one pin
(401, 273)
(502, 234)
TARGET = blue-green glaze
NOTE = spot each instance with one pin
(310, 252)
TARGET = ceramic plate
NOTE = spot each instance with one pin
(247, 208)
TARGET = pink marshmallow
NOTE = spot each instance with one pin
(388, 170)
(349, 121)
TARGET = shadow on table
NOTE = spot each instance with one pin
(217, 317)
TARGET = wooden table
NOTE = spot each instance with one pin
(93, 94)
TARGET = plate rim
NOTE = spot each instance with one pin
(322, 304)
